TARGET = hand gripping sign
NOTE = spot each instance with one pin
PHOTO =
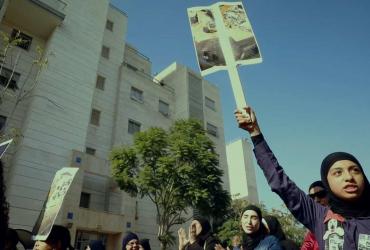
(223, 39)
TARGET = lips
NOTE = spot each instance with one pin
(350, 188)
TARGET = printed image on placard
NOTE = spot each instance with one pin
(241, 37)
(205, 38)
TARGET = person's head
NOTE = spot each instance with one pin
(11, 239)
(251, 219)
(58, 239)
(130, 242)
(318, 192)
(95, 245)
(274, 227)
(343, 175)
(347, 186)
(199, 226)
(144, 244)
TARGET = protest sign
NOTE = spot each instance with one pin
(223, 39)
(58, 190)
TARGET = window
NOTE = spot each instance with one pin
(90, 151)
(105, 52)
(109, 25)
(100, 82)
(95, 117)
(164, 108)
(210, 103)
(85, 200)
(136, 94)
(2, 122)
(25, 40)
(211, 129)
(5, 76)
(133, 127)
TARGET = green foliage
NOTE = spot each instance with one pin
(292, 228)
(176, 169)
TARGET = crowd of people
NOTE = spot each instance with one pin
(342, 223)
(59, 238)
(336, 211)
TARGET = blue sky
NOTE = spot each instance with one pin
(310, 93)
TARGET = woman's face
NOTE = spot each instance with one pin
(195, 228)
(346, 180)
(133, 245)
(250, 221)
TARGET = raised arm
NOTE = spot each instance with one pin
(299, 204)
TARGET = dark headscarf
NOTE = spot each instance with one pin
(145, 244)
(251, 241)
(277, 231)
(11, 239)
(316, 184)
(129, 236)
(96, 245)
(206, 230)
(274, 227)
(60, 233)
(359, 208)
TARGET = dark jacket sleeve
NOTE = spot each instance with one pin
(303, 208)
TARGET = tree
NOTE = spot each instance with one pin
(9, 85)
(292, 228)
(176, 169)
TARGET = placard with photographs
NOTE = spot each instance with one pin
(222, 21)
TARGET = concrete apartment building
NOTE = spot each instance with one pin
(242, 175)
(94, 94)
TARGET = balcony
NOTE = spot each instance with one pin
(36, 17)
(90, 163)
(100, 221)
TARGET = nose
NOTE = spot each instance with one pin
(347, 175)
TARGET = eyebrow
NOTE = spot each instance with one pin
(334, 169)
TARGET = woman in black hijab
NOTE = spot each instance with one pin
(347, 185)
(255, 234)
(200, 236)
(275, 229)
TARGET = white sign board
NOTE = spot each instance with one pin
(58, 190)
(223, 39)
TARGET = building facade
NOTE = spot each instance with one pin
(241, 171)
(94, 94)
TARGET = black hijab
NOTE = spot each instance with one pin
(274, 227)
(251, 241)
(359, 208)
(206, 230)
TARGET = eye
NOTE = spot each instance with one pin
(337, 172)
(356, 170)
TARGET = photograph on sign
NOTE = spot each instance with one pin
(61, 183)
(206, 40)
(241, 37)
